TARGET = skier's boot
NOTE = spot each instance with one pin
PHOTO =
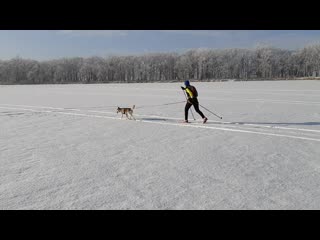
(205, 120)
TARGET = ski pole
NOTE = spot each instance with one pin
(190, 108)
(211, 112)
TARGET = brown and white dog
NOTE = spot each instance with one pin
(126, 111)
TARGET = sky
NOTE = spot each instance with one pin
(54, 44)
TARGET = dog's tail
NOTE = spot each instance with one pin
(133, 106)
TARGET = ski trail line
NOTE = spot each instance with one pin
(170, 124)
(171, 118)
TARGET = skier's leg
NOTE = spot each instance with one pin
(186, 110)
(196, 107)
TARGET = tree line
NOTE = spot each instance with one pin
(259, 63)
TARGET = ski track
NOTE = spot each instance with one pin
(170, 118)
(234, 128)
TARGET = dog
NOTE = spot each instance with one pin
(126, 111)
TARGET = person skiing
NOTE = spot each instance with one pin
(192, 100)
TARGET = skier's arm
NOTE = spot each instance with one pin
(183, 88)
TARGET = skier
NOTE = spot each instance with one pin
(192, 100)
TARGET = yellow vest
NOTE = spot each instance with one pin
(189, 92)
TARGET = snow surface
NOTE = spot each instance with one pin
(64, 147)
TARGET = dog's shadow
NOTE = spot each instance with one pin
(154, 119)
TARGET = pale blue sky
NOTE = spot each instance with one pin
(52, 44)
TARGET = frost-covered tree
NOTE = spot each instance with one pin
(262, 62)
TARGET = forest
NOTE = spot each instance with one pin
(259, 63)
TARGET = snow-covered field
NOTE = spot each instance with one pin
(64, 147)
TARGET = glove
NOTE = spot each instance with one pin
(183, 88)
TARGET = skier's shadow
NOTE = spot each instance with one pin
(268, 123)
